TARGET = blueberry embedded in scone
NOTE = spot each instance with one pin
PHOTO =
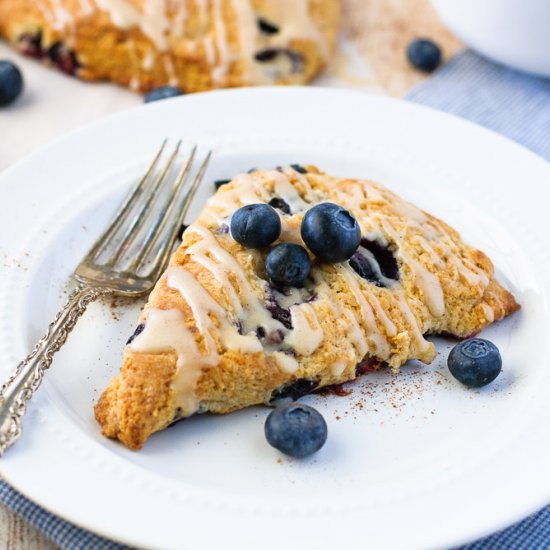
(225, 329)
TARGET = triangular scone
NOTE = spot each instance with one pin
(195, 45)
(216, 336)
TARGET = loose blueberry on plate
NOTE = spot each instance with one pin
(424, 54)
(296, 430)
(475, 362)
(255, 225)
(331, 232)
(11, 82)
(288, 264)
(163, 92)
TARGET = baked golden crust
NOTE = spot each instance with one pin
(193, 44)
(323, 334)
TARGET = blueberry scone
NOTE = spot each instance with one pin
(291, 280)
(193, 44)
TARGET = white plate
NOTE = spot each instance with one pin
(412, 461)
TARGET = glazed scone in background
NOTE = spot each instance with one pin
(194, 44)
(216, 336)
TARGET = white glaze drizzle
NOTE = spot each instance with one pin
(306, 334)
(426, 281)
(148, 62)
(355, 333)
(248, 307)
(178, 25)
(62, 17)
(248, 189)
(283, 188)
(153, 21)
(86, 7)
(170, 71)
(338, 368)
(202, 8)
(286, 362)
(422, 344)
(166, 330)
(47, 11)
(292, 16)
(364, 333)
(248, 42)
(203, 305)
(424, 232)
(380, 346)
(488, 312)
(225, 57)
(123, 14)
(135, 80)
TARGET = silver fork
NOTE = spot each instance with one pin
(117, 275)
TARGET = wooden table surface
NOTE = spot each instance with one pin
(380, 31)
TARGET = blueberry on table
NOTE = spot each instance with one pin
(11, 83)
(475, 362)
(424, 54)
(163, 92)
(296, 430)
(331, 232)
(255, 225)
(288, 264)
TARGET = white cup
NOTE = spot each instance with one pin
(512, 32)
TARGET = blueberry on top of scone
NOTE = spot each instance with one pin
(288, 264)
(331, 232)
(255, 225)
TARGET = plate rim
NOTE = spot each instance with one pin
(6, 174)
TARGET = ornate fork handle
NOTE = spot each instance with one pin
(22, 384)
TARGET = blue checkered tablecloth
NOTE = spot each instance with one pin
(513, 104)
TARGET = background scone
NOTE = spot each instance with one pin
(193, 44)
(217, 336)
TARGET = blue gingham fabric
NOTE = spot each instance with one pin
(62, 533)
(513, 104)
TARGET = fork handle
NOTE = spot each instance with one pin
(26, 379)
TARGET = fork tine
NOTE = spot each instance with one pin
(135, 225)
(171, 234)
(165, 213)
(126, 207)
